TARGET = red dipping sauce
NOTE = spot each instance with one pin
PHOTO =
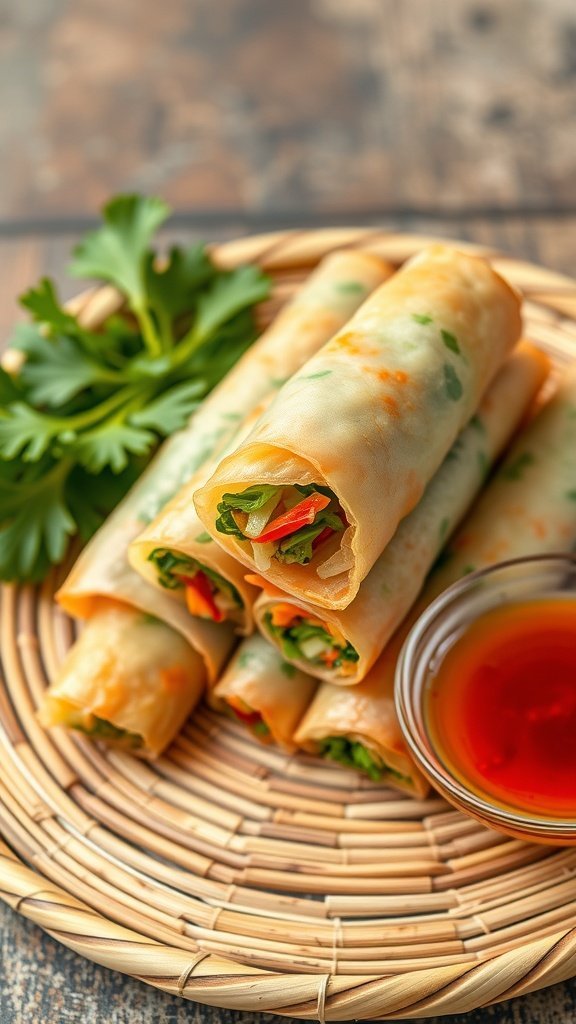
(501, 707)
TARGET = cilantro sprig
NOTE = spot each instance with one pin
(87, 408)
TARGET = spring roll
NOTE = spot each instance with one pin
(129, 680)
(317, 490)
(264, 692)
(174, 552)
(529, 508)
(103, 570)
(341, 646)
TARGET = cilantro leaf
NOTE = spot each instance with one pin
(230, 294)
(37, 532)
(171, 286)
(118, 251)
(62, 372)
(111, 444)
(9, 390)
(43, 303)
(170, 411)
(26, 432)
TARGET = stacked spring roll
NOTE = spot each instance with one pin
(129, 680)
(317, 490)
(341, 646)
(528, 508)
(102, 575)
(265, 692)
(174, 552)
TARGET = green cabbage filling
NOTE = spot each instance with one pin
(290, 639)
(352, 754)
(298, 546)
(100, 729)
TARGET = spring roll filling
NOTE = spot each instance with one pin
(72, 717)
(208, 594)
(304, 638)
(354, 754)
(248, 716)
(289, 523)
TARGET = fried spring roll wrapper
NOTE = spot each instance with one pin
(129, 680)
(102, 570)
(373, 414)
(398, 575)
(264, 691)
(529, 508)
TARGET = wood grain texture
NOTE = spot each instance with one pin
(317, 105)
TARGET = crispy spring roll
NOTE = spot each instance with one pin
(264, 692)
(317, 490)
(528, 508)
(341, 646)
(129, 680)
(174, 552)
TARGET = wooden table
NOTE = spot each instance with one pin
(452, 118)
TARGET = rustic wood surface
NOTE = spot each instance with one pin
(453, 118)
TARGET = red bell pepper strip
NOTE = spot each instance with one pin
(249, 717)
(201, 598)
(303, 514)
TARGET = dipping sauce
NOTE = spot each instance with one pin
(501, 706)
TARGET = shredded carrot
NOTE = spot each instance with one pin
(283, 615)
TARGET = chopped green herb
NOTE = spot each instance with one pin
(571, 495)
(468, 569)
(450, 341)
(422, 318)
(483, 463)
(477, 423)
(316, 376)
(246, 658)
(452, 383)
(287, 669)
(350, 288)
(515, 469)
(443, 531)
(203, 538)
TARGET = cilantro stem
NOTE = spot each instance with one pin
(187, 346)
(98, 412)
(149, 334)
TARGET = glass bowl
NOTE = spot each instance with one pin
(435, 632)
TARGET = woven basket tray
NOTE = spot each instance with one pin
(234, 875)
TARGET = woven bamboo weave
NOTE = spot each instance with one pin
(241, 877)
